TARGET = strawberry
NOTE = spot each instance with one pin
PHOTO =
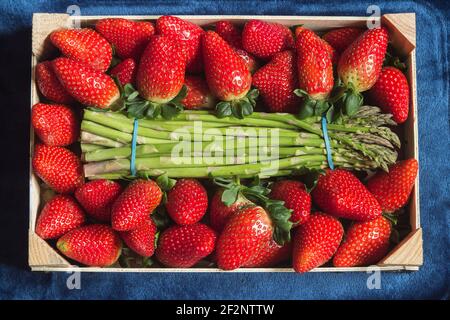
(316, 241)
(392, 189)
(187, 202)
(326, 46)
(60, 215)
(125, 71)
(365, 243)
(230, 33)
(142, 239)
(187, 35)
(249, 60)
(198, 95)
(96, 245)
(341, 38)
(341, 194)
(391, 93)
(84, 45)
(276, 82)
(161, 71)
(88, 86)
(295, 197)
(360, 65)
(184, 246)
(97, 197)
(220, 212)
(135, 204)
(55, 124)
(58, 167)
(289, 37)
(270, 254)
(263, 39)
(243, 236)
(228, 77)
(129, 38)
(49, 85)
(315, 73)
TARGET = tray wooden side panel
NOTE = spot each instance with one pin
(313, 22)
(403, 26)
(409, 252)
(41, 254)
(43, 25)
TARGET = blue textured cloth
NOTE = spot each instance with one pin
(432, 281)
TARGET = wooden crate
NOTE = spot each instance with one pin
(407, 255)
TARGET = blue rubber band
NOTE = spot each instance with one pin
(133, 148)
(327, 143)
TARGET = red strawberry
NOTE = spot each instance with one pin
(135, 204)
(96, 245)
(327, 47)
(220, 212)
(243, 236)
(230, 33)
(97, 197)
(360, 65)
(184, 246)
(198, 94)
(58, 167)
(316, 241)
(276, 82)
(341, 194)
(391, 93)
(55, 124)
(227, 74)
(289, 37)
(128, 37)
(161, 71)
(88, 86)
(392, 189)
(264, 39)
(49, 85)
(125, 71)
(142, 239)
(249, 61)
(314, 63)
(365, 243)
(84, 45)
(60, 215)
(187, 202)
(295, 197)
(341, 38)
(270, 254)
(187, 35)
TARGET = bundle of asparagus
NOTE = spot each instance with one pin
(199, 144)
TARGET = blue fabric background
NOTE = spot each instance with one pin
(432, 281)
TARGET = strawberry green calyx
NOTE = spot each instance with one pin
(393, 218)
(166, 184)
(344, 100)
(258, 194)
(137, 107)
(239, 108)
(310, 106)
(392, 59)
(352, 100)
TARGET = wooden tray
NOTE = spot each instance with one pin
(407, 255)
